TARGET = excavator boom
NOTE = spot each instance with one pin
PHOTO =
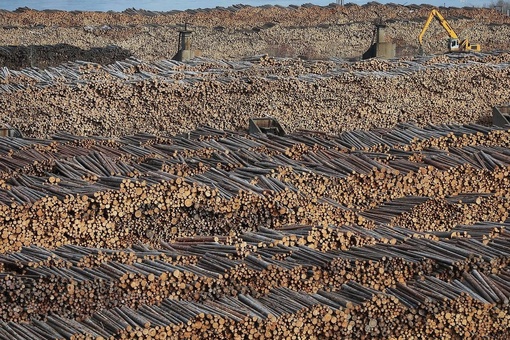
(454, 43)
(435, 14)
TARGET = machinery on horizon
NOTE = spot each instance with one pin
(454, 43)
(380, 47)
(184, 47)
(8, 131)
(265, 125)
(501, 115)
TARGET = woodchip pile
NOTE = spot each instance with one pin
(396, 232)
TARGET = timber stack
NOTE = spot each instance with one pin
(236, 32)
(167, 97)
(223, 234)
(137, 206)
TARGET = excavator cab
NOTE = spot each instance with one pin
(453, 45)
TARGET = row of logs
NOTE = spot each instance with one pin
(237, 15)
(205, 271)
(472, 307)
(232, 33)
(333, 95)
(143, 188)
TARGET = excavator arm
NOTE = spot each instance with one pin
(435, 14)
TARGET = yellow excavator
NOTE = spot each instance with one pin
(454, 43)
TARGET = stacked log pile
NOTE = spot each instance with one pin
(138, 207)
(99, 191)
(168, 97)
(240, 16)
(429, 307)
(223, 234)
(237, 32)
